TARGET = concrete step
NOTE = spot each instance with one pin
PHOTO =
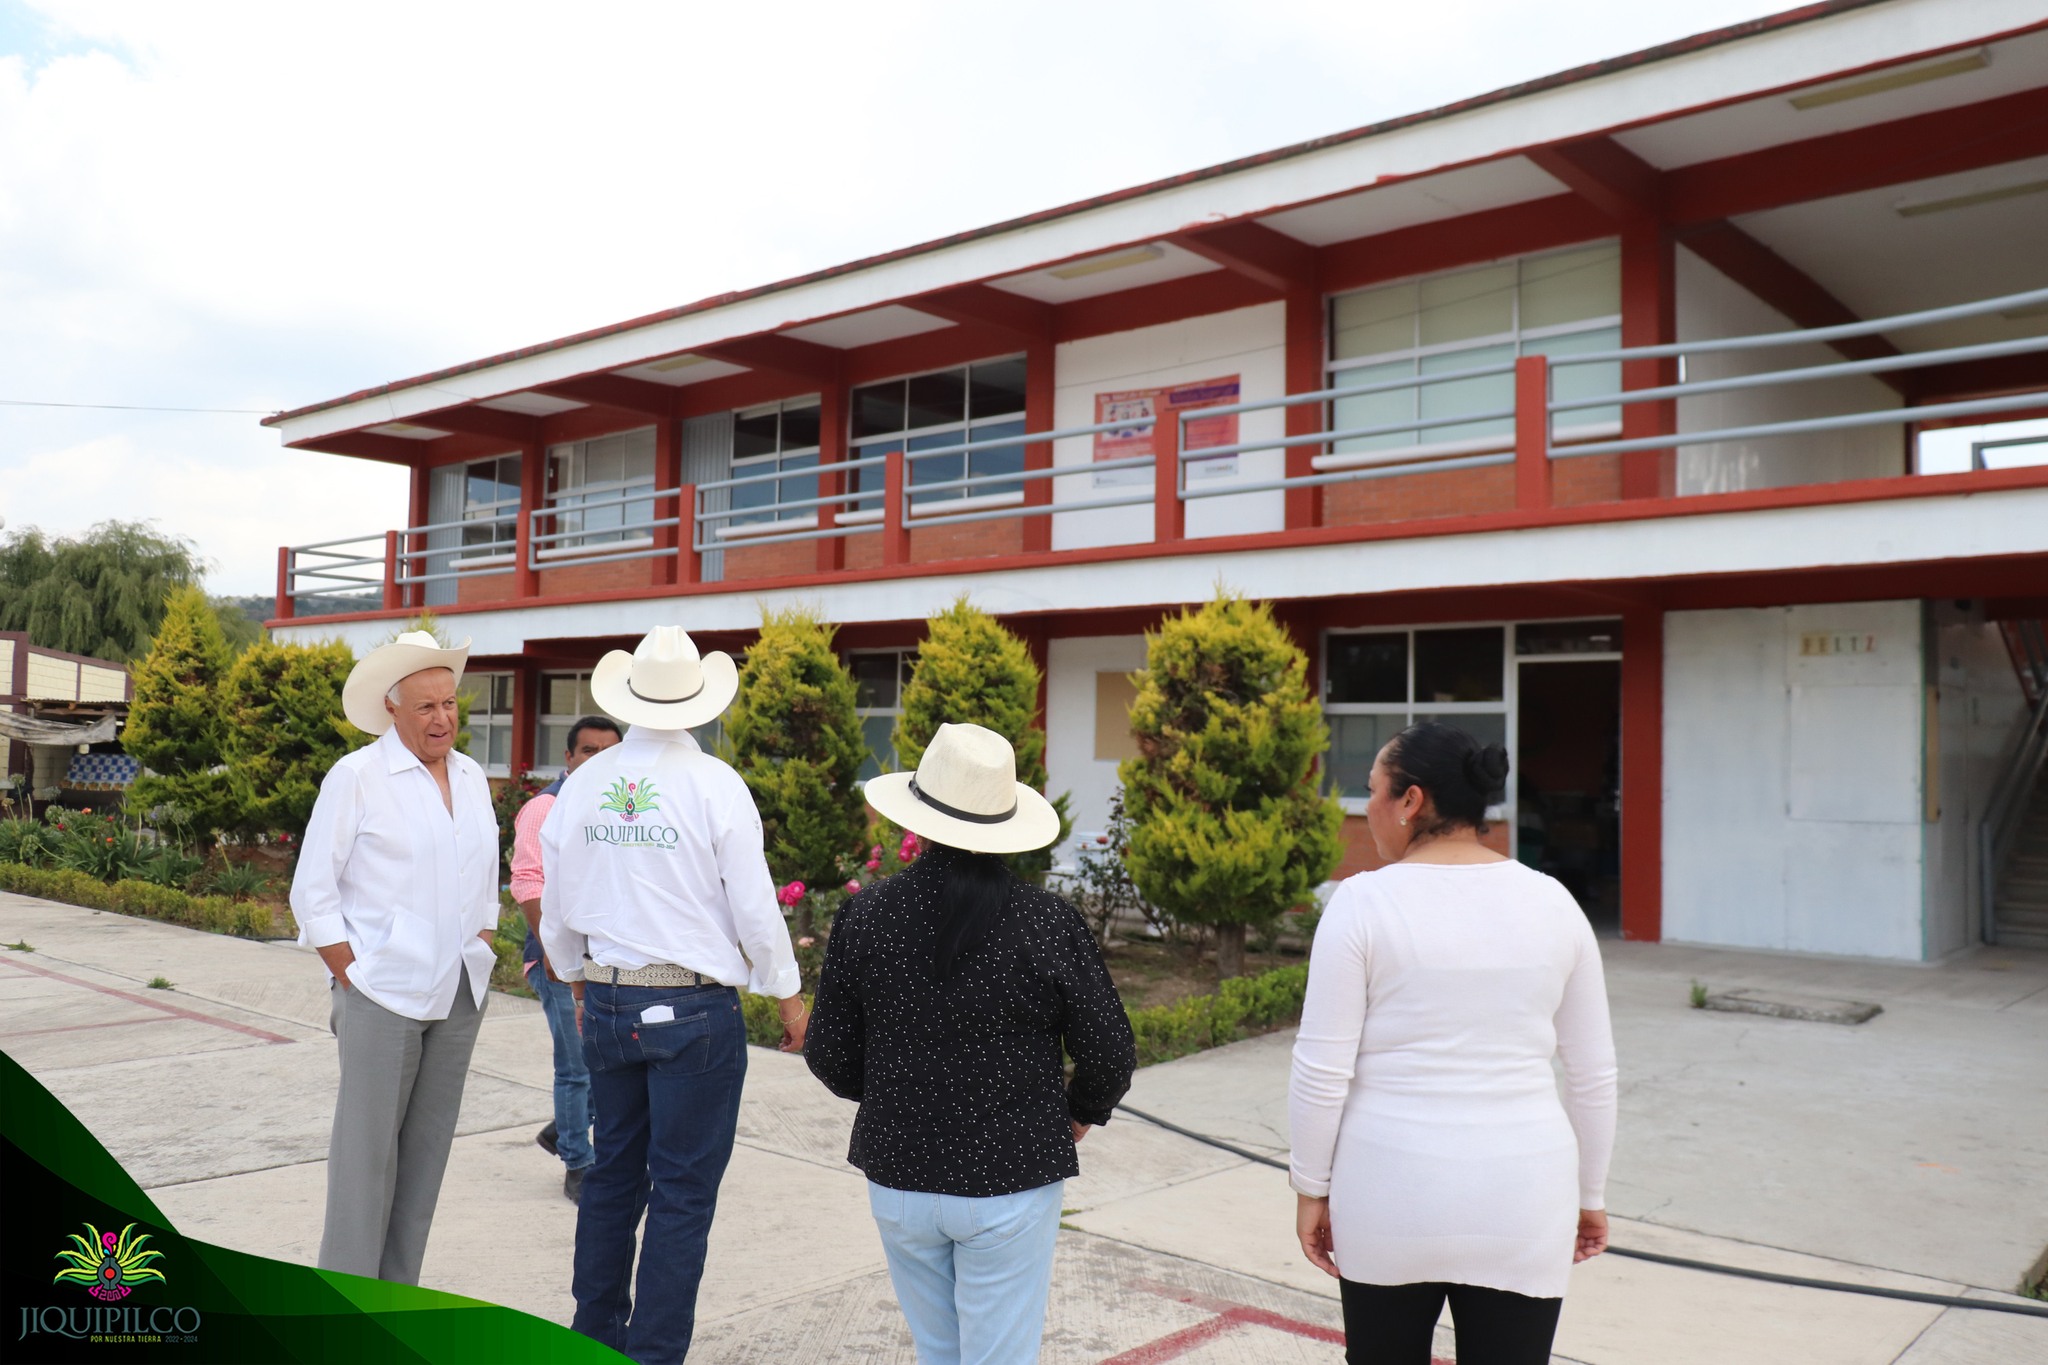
(2022, 886)
(2022, 938)
(2030, 918)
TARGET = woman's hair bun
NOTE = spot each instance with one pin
(1487, 768)
(1461, 775)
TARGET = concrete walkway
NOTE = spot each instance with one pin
(1906, 1152)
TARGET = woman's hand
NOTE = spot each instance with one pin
(1312, 1226)
(1592, 1235)
(1080, 1129)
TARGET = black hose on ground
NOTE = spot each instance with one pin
(1768, 1276)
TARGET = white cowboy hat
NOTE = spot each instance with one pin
(965, 793)
(362, 696)
(663, 684)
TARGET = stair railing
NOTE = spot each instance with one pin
(2008, 805)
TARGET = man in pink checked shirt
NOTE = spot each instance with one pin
(568, 1137)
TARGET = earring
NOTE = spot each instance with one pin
(1404, 822)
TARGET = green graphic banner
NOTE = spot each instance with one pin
(90, 1270)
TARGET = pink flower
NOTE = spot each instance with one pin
(852, 887)
(910, 847)
(875, 863)
(791, 894)
(807, 942)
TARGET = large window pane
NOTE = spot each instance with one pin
(936, 400)
(1374, 409)
(755, 434)
(1373, 321)
(1487, 393)
(1459, 665)
(1568, 637)
(1569, 381)
(995, 387)
(1366, 668)
(879, 732)
(1572, 286)
(1354, 742)
(800, 428)
(1467, 305)
(1488, 727)
(798, 489)
(874, 679)
(567, 696)
(938, 468)
(878, 409)
(1001, 460)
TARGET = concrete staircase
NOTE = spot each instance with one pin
(2021, 904)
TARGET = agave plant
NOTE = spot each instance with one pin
(109, 851)
(110, 1263)
(169, 866)
(241, 881)
(26, 841)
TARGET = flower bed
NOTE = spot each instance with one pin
(216, 914)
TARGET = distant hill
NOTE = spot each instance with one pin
(261, 607)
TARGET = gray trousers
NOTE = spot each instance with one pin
(401, 1089)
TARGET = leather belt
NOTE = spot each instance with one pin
(653, 974)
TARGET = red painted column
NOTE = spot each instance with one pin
(532, 490)
(1649, 317)
(689, 561)
(283, 608)
(832, 436)
(1169, 513)
(1642, 774)
(1305, 372)
(416, 515)
(668, 472)
(895, 508)
(1038, 416)
(394, 597)
(1532, 433)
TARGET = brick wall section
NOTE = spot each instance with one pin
(1416, 497)
(969, 540)
(770, 561)
(1596, 478)
(497, 587)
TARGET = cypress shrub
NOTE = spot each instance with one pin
(793, 736)
(1228, 829)
(972, 671)
(175, 726)
(284, 730)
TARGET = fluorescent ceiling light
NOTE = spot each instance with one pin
(1915, 208)
(1135, 256)
(409, 429)
(1893, 80)
(675, 362)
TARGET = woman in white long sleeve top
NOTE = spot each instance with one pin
(1433, 1158)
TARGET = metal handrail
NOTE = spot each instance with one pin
(1868, 327)
(1295, 400)
(1911, 360)
(1845, 421)
(1201, 453)
(1387, 470)
(2000, 826)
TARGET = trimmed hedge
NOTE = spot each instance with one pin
(1241, 1007)
(216, 914)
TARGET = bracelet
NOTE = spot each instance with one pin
(787, 1021)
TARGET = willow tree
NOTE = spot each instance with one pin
(101, 594)
(1228, 828)
(970, 670)
(793, 735)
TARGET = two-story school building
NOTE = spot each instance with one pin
(1665, 419)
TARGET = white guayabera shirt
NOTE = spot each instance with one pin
(652, 853)
(387, 868)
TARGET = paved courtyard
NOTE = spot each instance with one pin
(1909, 1152)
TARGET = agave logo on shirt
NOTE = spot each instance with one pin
(630, 801)
(110, 1265)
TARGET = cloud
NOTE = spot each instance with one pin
(263, 205)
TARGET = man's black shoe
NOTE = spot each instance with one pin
(572, 1185)
(546, 1138)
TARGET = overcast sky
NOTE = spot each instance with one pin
(259, 206)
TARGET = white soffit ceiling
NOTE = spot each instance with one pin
(531, 404)
(1879, 262)
(865, 329)
(2014, 65)
(1470, 189)
(674, 372)
(406, 431)
(1169, 263)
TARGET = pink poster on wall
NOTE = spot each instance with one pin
(1138, 410)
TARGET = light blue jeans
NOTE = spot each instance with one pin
(572, 1077)
(971, 1274)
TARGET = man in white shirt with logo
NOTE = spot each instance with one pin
(656, 903)
(397, 887)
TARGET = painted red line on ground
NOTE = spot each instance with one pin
(73, 1028)
(1229, 1317)
(143, 1000)
(1176, 1345)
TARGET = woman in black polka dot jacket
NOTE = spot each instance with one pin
(949, 994)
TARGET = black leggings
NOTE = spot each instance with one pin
(1392, 1324)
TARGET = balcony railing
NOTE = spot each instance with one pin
(693, 521)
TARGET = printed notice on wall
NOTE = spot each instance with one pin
(1137, 411)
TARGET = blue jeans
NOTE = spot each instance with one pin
(572, 1077)
(971, 1274)
(667, 1096)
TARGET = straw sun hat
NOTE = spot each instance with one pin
(663, 684)
(965, 793)
(362, 696)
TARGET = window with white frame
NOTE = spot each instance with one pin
(878, 678)
(1558, 305)
(1376, 683)
(775, 438)
(490, 506)
(601, 490)
(979, 402)
(490, 720)
(565, 699)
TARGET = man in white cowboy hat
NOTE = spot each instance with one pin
(656, 904)
(397, 887)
